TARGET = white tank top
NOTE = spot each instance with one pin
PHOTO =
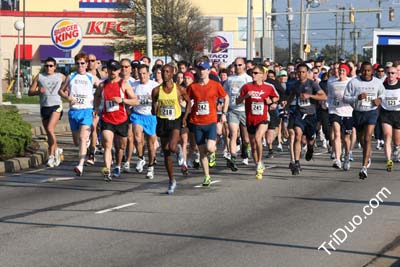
(80, 88)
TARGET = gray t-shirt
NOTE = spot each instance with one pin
(52, 83)
(306, 106)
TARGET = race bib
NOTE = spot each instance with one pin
(203, 108)
(168, 111)
(111, 106)
(304, 102)
(257, 108)
(80, 100)
(392, 101)
(337, 101)
(367, 102)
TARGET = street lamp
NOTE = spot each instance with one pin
(312, 4)
(18, 25)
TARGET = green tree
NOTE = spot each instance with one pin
(179, 29)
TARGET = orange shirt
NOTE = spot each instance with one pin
(204, 109)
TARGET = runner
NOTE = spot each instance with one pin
(203, 117)
(304, 120)
(340, 117)
(144, 123)
(165, 105)
(257, 96)
(236, 115)
(78, 90)
(390, 117)
(364, 94)
(114, 93)
(46, 85)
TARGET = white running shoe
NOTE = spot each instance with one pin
(337, 164)
(227, 155)
(126, 167)
(140, 164)
(245, 161)
(346, 163)
(396, 154)
(150, 172)
(51, 162)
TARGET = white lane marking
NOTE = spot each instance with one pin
(320, 153)
(55, 179)
(212, 182)
(115, 208)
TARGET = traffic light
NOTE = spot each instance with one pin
(391, 14)
(351, 15)
(307, 48)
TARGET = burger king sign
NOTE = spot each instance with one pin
(66, 34)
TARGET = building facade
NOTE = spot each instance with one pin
(51, 28)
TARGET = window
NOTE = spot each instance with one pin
(215, 23)
(9, 5)
(242, 28)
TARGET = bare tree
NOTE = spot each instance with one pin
(179, 29)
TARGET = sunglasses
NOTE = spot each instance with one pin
(125, 67)
(237, 65)
(80, 63)
(92, 60)
(315, 72)
(391, 73)
(256, 72)
(48, 66)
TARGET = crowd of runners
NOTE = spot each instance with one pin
(188, 109)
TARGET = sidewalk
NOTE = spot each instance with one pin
(31, 114)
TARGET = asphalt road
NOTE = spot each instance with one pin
(49, 217)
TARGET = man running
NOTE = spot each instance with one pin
(166, 106)
(78, 90)
(257, 96)
(203, 117)
(364, 93)
(51, 109)
(115, 93)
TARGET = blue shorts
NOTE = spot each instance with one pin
(205, 132)
(307, 123)
(148, 122)
(364, 118)
(78, 117)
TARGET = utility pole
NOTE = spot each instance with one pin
(289, 20)
(343, 36)
(249, 43)
(336, 37)
(355, 35)
(301, 54)
(149, 31)
(379, 14)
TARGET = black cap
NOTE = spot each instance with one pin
(135, 63)
(113, 65)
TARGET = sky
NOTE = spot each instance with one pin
(322, 27)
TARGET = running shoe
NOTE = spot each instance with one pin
(270, 154)
(233, 164)
(57, 157)
(184, 169)
(245, 161)
(196, 164)
(207, 180)
(363, 173)
(296, 169)
(150, 172)
(171, 187)
(117, 172)
(107, 174)
(126, 167)
(351, 156)
(346, 163)
(279, 148)
(396, 154)
(337, 164)
(90, 161)
(389, 165)
(227, 155)
(212, 163)
(78, 170)
(51, 162)
(140, 164)
(260, 171)
(309, 153)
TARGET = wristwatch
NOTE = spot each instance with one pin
(123, 102)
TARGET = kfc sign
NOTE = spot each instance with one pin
(105, 27)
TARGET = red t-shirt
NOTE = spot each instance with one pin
(113, 113)
(204, 109)
(255, 106)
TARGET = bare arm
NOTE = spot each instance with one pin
(186, 98)
(154, 99)
(32, 90)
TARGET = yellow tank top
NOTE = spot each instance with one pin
(168, 104)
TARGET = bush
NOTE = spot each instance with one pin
(15, 133)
